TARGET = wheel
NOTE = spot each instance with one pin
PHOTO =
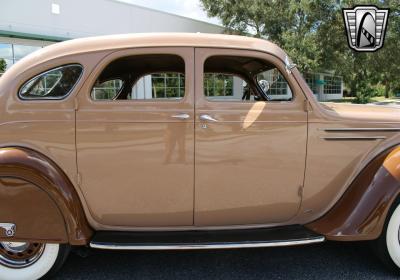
(23, 260)
(387, 246)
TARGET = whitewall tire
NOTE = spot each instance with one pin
(42, 260)
(393, 237)
(387, 246)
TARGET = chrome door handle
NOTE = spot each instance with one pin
(182, 116)
(207, 118)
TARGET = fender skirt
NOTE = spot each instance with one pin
(37, 196)
(361, 212)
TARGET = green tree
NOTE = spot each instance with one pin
(313, 34)
(291, 24)
(3, 65)
(384, 63)
(361, 71)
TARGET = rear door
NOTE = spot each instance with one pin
(249, 154)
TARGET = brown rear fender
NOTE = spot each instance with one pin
(361, 212)
(39, 199)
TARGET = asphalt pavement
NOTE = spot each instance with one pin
(330, 260)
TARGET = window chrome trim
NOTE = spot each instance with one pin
(41, 98)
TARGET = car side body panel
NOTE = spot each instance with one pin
(33, 169)
(351, 175)
(360, 214)
(29, 208)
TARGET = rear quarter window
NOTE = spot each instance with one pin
(55, 84)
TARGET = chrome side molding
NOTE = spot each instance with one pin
(353, 137)
(227, 245)
(351, 129)
(9, 229)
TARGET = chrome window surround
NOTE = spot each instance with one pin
(21, 97)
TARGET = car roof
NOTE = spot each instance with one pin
(124, 41)
(164, 39)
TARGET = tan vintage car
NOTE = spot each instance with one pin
(185, 141)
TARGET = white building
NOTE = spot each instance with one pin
(26, 25)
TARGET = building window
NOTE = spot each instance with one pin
(278, 86)
(107, 90)
(55, 8)
(311, 80)
(333, 85)
(216, 84)
(12, 53)
(20, 51)
(168, 85)
(6, 53)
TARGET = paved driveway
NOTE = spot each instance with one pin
(394, 102)
(324, 261)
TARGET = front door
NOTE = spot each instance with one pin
(249, 152)
(135, 139)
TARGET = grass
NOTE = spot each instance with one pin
(350, 99)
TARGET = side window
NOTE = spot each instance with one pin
(142, 77)
(107, 90)
(163, 85)
(243, 79)
(228, 87)
(274, 85)
(53, 84)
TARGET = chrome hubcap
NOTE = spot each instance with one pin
(20, 254)
(398, 235)
(15, 247)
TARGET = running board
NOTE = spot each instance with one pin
(217, 239)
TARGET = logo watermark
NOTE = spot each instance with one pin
(365, 27)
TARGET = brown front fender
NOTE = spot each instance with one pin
(37, 196)
(361, 212)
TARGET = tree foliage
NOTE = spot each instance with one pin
(313, 34)
(3, 65)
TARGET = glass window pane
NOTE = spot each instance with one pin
(53, 84)
(9, 63)
(243, 79)
(274, 85)
(166, 85)
(20, 51)
(107, 90)
(6, 54)
(6, 51)
(311, 80)
(228, 87)
(332, 85)
(146, 77)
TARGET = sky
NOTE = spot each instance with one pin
(186, 8)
